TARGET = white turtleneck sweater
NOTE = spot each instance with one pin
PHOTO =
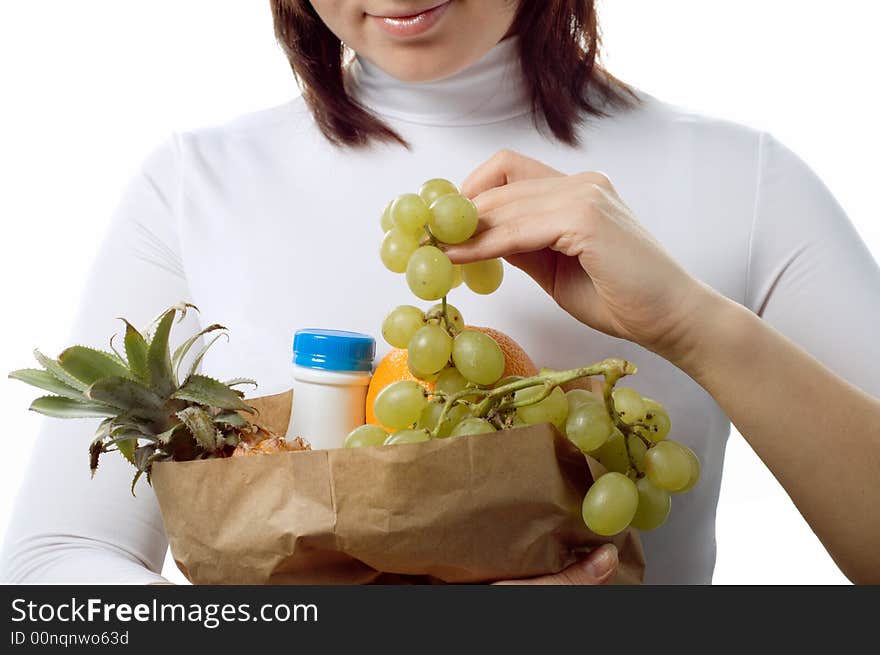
(268, 228)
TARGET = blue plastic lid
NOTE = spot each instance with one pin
(334, 350)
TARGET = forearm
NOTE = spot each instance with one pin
(819, 435)
(69, 528)
(64, 559)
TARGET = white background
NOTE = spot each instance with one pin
(90, 87)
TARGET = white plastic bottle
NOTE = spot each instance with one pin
(331, 372)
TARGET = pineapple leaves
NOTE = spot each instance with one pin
(150, 412)
(159, 356)
(95, 452)
(126, 447)
(182, 307)
(235, 382)
(198, 358)
(207, 391)
(125, 444)
(89, 365)
(55, 369)
(58, 407)
(125, 394)
(201, 426)
(165, 437)
(232, 419)
(185, 347)
(136, 348)
(144, 456)
(47, 382)
(119, 356)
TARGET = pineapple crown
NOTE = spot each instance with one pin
(151, 412)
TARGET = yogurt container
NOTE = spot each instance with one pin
(331, 372)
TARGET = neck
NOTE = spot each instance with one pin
(489, 91)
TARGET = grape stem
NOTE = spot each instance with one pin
(626, 428)
(611, 369)
(431, 239)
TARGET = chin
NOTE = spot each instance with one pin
(422, 65)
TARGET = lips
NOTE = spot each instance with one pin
(412, 25)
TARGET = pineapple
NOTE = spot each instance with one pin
(151, 413)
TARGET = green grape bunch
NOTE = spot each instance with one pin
(469, 395)
(418, 225)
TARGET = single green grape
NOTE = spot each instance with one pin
(588, 426)
(478, 357)
(552, 409)
(457, 277)
(657, 419)
(654, 506)
(668, 465)
(433, 189)
(387, 222)
(430, 415)
(483, 277)
(400, 404)
(637, 451)
(577, 397)
(629, 405)
(456, 414)
(454, 218)
(612, 455)
(410, 213)
(407, 436)
(397, 249)
(610, 504)
(695, 470)
(453, 316)
(365, 435)
(472, 426)
(401, 324)
(429, 273)
(430, 349)
(421, 375)
(450, 381)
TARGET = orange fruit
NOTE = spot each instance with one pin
(393, 367)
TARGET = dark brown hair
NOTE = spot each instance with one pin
(559, 42)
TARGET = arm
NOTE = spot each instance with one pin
(66, 527)
(812, 279)
(816, 432)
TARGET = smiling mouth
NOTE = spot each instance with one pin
(413, 24)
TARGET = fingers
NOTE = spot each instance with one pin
(514, 192)
(502, 168)
(547, 200)
(597, 569)
(544, 194)
(509, 238)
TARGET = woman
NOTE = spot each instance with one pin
(269, 224)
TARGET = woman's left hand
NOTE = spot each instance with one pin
(575, 236)
(598, 568)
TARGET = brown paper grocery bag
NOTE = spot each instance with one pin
(467, 509)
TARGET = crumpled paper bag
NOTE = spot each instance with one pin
(460, 510)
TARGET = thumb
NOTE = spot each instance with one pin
(597, 568)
